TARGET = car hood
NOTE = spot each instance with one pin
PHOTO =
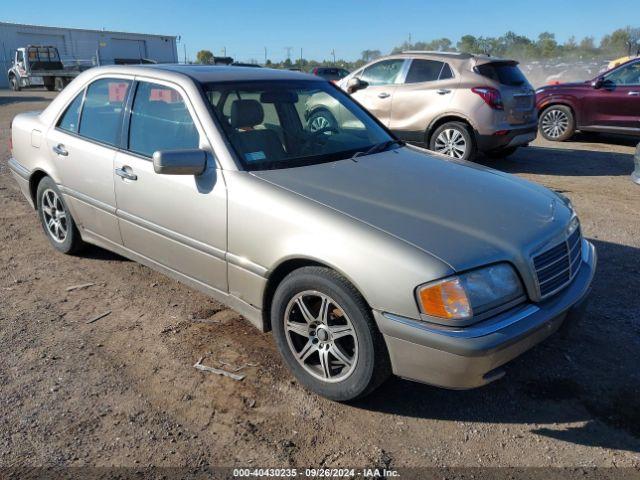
(462, 213)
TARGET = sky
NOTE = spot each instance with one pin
(244, 28)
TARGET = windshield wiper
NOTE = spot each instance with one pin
(378, 147)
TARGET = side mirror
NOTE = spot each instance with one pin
(597, 83)
(354, 84)
(180, 162)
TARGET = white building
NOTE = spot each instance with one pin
(88, 47)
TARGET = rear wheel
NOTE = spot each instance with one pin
(49, 83)
(327, 336)
(453, 139)
(557, 123)
(56, 219)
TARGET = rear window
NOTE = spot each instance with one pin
(504, 73)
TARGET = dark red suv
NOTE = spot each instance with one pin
(608, 103)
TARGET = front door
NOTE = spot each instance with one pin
(177, 221)
(427, 90)
(616, 105)
(382, 78)
(82, 146)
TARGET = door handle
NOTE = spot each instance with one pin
(443, 91)
(634, 94)
(60, 150)
(383, 95)
(125, 173)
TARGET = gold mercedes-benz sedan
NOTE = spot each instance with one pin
(365, 257)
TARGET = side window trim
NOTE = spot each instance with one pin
(128, 113)
(442, 68)
(63, 111)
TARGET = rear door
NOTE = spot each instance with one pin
(518, 97)
(82, 146)
(616, 105)
(177, 221)
(427, 91)
(382, 78)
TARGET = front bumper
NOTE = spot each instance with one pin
(513, 138)
(472, 356)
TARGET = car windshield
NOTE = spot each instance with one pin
(282, 124)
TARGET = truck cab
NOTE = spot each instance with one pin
(37, 66)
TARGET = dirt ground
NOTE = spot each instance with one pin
(123, 391)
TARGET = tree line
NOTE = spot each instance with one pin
(623, 41)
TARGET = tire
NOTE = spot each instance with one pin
(59, 84)
(356, 363)
(454, 139)
(14, 83)
(321, 119)
(501, 153)
(49, 83)
(557, 123)
(63, 234)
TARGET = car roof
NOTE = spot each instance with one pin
(224, 73)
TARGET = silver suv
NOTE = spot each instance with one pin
(454, 103)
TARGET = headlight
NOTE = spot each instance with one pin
(461, 296)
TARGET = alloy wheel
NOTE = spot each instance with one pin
(554, 123)
(319, 123)
(55, 216)
(451, 142)
(321, 336)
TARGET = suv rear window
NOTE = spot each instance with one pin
(504, 73)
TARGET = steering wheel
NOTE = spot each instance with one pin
(316, 138)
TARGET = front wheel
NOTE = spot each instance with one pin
(59, 84)
(56, 219)
(453, 139)
(15, 84)
(327, 336)
(557, 123)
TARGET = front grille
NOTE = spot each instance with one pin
(557, 266)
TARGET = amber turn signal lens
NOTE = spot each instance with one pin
(445, 299)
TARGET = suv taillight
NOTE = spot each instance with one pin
(490, 95)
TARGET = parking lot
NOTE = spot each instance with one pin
(122, 391)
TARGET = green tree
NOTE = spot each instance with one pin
(547, 45)
(204, 56)
(469, 44)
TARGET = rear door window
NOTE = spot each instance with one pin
(504, 73)
(160, 120)
(103, 109)
(383, 73)
(424, 71)
(70, 118)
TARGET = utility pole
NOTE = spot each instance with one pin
(265, 55)
(301, 56)
(184, 46)
(224, 51)
(333, 53)
(409, 38)
(288, 49)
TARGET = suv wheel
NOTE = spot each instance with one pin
(55, 218)
(327, 336)
(322, 121)
(453, 139)
(557, 123)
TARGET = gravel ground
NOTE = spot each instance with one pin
(123, 391)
